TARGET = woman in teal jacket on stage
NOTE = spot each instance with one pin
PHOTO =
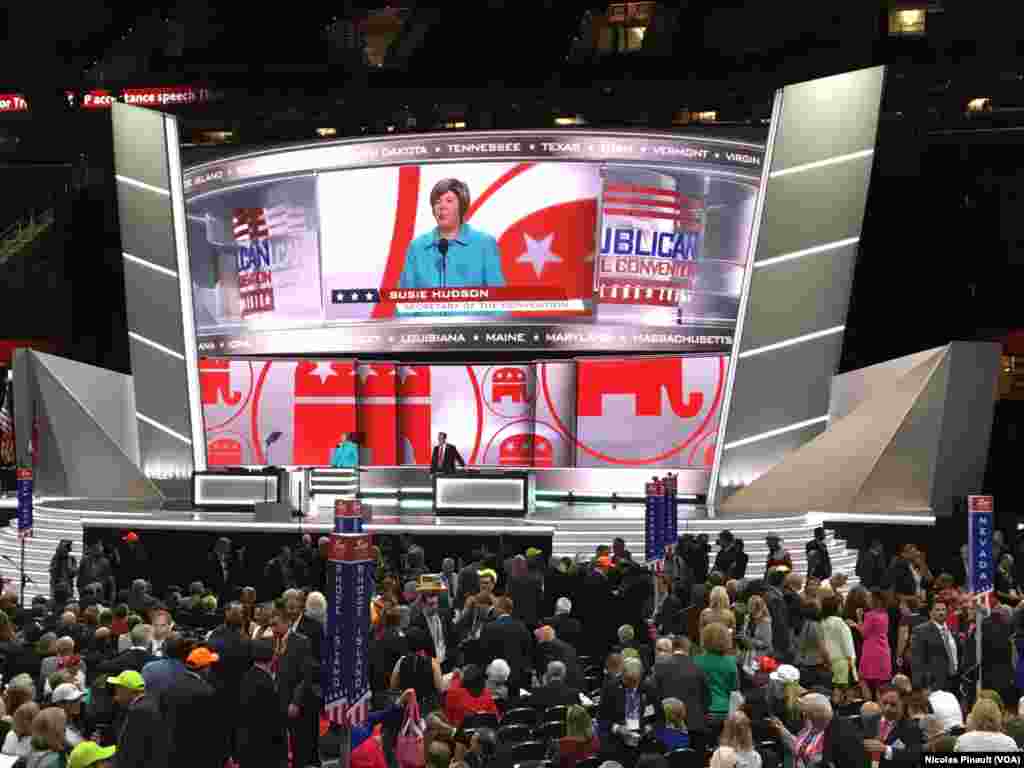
(346, 454)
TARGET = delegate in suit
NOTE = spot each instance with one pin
(934, 652)
(453, 254)
(445, 456)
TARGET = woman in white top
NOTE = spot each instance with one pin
(837, 641)
(19, 738)
(736, 733)
(985, 730)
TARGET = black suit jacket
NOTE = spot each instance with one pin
(234, 652)
(844, 745)
(143, 739)
(446, 464)
(566, 628)
(929, 659)
(261, 738)
(559, 650)
(527, 593)
(554, 695)
(383, 655)
(189, 707)
(910, 736)
(612, 710)
(295, 674)
(678, 677)
(133, 658)
(314, 632)
(507, 638)
(996, 653)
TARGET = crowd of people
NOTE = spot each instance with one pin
(597, 660)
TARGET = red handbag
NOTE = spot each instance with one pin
(409, 746)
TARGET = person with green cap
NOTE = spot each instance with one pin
(142, 742)
(89, 754)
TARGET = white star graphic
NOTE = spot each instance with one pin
(403, 372)
(324, 371)
(538, 253)
(353, 296)
(368, 296)
(364, 372)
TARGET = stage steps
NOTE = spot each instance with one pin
(48, 530)
(579, 528)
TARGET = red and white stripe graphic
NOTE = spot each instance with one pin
(248, 224)
(654, 203)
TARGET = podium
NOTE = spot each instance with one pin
(492, 493)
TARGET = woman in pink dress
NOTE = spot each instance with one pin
(875, 659)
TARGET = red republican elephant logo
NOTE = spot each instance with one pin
(224, 452)
(644, 378)
(215, 382)
(509, 382)
(543, 452)
(516, 451)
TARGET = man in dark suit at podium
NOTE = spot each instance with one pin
(445, 456)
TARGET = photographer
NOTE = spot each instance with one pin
(63, 566)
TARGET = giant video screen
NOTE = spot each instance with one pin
(601, 412)
(486, 241)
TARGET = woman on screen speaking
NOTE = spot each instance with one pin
(453, 254)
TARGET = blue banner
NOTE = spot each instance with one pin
(346, 676)
(671, 511)
(24, 502)
(980, 526)
(654, 520)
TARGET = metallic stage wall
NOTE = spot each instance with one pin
(790, 330)
(160, 326)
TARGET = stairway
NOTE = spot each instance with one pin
(582, 527)
(579, 528)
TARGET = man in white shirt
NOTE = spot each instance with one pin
(162, 627)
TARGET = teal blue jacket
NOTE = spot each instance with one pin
(473, 261)
(345, 455)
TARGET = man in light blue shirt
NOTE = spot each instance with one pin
(453, 254)
(346, 454)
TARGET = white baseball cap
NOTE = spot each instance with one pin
(786, 674)
(66, 692)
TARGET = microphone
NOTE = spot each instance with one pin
(442, 246)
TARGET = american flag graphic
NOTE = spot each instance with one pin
(6, 422)
(248, 224)
(6, 430)
(654, 203)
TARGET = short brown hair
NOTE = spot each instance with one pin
(715, 638)
(459, 188)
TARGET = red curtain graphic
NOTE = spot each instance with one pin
(325, 407)
(377, 414)
(414, 427)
